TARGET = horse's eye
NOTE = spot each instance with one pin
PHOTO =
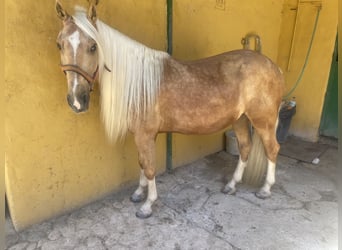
(59, 46)
(93, 48)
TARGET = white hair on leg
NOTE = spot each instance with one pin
(237, 176)
(146, 210)
(265, 191)
(139, 193)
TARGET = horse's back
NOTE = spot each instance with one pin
(231, 69)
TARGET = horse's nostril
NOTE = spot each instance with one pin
(85, 98)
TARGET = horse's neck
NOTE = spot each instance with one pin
(129, 92)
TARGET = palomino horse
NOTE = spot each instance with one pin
(146, 92)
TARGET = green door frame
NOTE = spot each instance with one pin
(329, 119)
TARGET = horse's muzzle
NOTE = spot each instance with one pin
(79, 104)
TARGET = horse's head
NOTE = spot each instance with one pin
(79, 58)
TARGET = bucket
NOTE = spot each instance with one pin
(231, 143)
(285, 116)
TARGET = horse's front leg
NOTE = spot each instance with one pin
(146, 151)
(140, 193)
(145, 210)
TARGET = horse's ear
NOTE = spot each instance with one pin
(61, 13)
(96, 2)
(92, 16)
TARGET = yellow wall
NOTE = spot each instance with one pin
(57, 160)
(2, 134)
(202, 28)
(311, 90)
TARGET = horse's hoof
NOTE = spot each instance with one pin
(263, 194)
(137, 198)
(228, 190)
(143, 215)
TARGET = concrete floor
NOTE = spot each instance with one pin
(192, 213)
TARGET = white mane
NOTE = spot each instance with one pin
(130, 90)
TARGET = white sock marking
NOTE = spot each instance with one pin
(270, 177)
(142, 184)
(152, 190)
(151, 196)
(237, 176)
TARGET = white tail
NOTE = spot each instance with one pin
(257, 162)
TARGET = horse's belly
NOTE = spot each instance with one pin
(197, 120)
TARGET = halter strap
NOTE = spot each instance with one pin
(78, 70)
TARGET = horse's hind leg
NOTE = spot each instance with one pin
(146, 150)
(242, 132)
(265, 191)
(269, 140)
